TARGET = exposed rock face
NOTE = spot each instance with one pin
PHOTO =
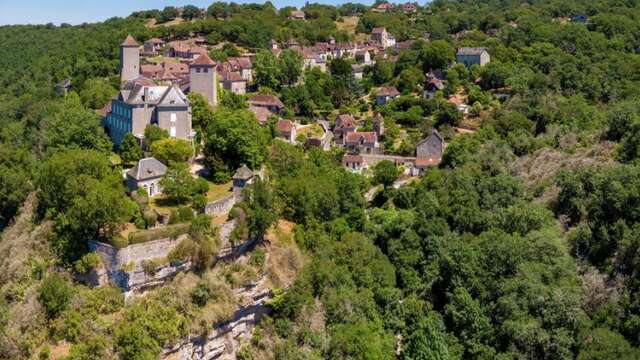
(224, 340)
(123, 267)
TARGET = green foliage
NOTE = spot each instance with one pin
(54, 294)
(153, 133)
(385, 173)
(233, 139)
(130, 149)
(87, 262)
(96, 92)
(178, 183)
(172, 150)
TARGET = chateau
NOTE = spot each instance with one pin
(142, 102)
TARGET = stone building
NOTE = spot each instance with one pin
(129, 59)
(203, 78)
(431, 147)
(472, 56)
(146, 175)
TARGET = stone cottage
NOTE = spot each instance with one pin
(431, 147)
(386, 94)
(472, 56)
(146, 174)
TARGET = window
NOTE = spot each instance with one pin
(197, 69)
(205, 70)
(173, 117)
(172, 132)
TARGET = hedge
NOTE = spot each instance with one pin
(163, 232)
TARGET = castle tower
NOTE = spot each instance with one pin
(203, 78)
(129, 59)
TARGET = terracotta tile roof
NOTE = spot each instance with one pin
(240, 62)
(352, 159)
(262, 114)
(176, 68)
(297, 14)
(203, 60)
(388, 91)
(425, 162)
(150, 70)
(129, 41)
(345, 121)
(232, 76)
(178, 46)
(364, 137)
(198, 50)
(265, 100)
(284, 126)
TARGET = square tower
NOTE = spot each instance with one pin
(129, 59)
(203, 78)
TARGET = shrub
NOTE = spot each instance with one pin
(186, 213)
(257, 258)
(199, 203)
(200, 186)
(171, 231)
(150, 266)
(119, 242)
(150, 217)
(87, 262)
(201, 294)
(55, 294)
(184, 251)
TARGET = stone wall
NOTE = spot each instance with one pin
(124, 266)
(221, 206)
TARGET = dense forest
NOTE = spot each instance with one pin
(523, 244)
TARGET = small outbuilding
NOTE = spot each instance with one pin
(147, 175)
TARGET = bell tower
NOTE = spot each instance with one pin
(129, 59)
(203, 78)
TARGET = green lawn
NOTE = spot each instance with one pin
(313, 130)
(218, 191)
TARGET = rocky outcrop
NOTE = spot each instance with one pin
(224, 340)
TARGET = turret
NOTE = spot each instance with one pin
(203, 78)
(129, 59)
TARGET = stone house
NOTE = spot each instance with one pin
(431, 147)
(380, 36)
(386, 94)
(146, 174)
(286, 130)
(262, 114)
(472, 56)
(353, 163)
(421, 164)
(363, 57)
(240, 64)
(269, 102)
(345, 123)
(153, 46)
(241, 179)
(179, 50)
(234, 82)
(365, 142)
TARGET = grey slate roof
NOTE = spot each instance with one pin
(471, 51)
(243, 173)
(147, 168)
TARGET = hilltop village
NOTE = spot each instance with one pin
(450, 180)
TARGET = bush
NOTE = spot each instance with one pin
(171, 231)
(119, 242)
(200, 186)
(150, 266)
(184, 251)
(150, 217)
(181, 215)
(199, 203)
(87, 263)
(257, 258)
(55, 294)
